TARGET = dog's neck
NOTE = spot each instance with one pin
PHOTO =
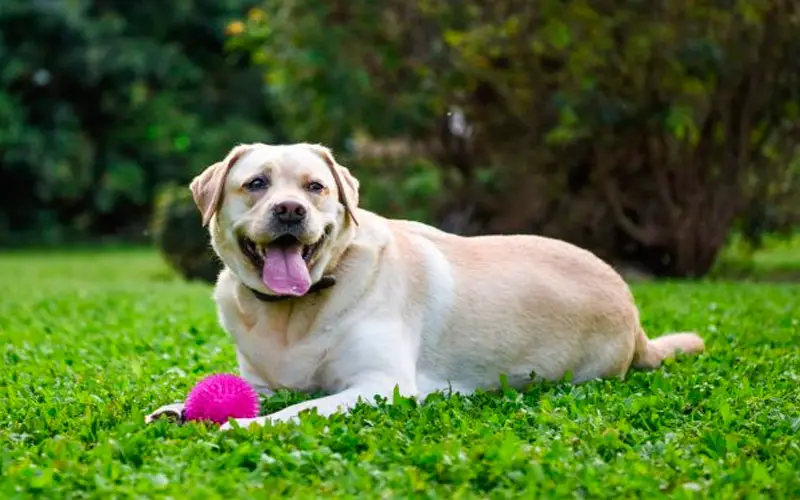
(324, 283)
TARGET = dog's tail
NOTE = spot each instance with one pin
(651, 352)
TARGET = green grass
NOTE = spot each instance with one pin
(93, 341)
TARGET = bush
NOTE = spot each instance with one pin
(180, 237)
(101, 102)
(643, 131)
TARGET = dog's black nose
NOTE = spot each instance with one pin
(289, 212)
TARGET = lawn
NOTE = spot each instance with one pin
(94, 340)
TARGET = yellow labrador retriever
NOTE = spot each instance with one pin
(321, 295)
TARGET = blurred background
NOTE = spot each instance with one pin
(663, 135)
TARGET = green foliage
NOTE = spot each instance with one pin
(405, 189)
(323, 89)
(101, 102)
(641, 130)
(94, 341)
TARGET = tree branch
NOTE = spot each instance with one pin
(645, 236)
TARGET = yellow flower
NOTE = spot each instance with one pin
(255, 14)
(235, 28)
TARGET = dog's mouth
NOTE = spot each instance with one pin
(257, 253)
(284, 263)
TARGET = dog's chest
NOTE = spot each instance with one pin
(284, 354)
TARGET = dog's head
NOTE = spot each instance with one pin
(278, 215)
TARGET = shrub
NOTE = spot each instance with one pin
(179, 235)
(641, 130)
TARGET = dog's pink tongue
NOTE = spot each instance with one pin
(285, 271)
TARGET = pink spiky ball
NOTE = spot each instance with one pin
(218, 397)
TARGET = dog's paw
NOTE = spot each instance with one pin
(172, 411)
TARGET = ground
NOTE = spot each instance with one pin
(93, 340)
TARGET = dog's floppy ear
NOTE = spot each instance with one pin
(346, 183)
(207, 188)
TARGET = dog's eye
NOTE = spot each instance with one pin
(257, 184)
(314, 187)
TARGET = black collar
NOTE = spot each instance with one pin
(323, 283)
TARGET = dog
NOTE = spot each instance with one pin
(320, 295)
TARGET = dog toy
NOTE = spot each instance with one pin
(218, 397)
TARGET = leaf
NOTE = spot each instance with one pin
(558, 34)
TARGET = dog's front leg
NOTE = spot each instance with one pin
(367, 363)
(341, 402)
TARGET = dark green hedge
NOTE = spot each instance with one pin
(103, 101)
